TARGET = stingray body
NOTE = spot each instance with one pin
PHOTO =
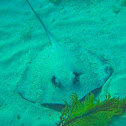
(53, 78)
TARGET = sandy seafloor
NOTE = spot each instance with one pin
(97, 25)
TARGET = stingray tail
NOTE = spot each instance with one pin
(50, 36)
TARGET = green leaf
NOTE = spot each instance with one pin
(91, 112)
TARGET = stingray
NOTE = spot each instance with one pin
(57, 72)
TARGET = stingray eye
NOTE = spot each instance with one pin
(76, 78)
(56, 82)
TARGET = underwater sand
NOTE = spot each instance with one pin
(95, 25)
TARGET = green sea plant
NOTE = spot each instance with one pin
(91, 112)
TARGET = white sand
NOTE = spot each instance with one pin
(97, 26)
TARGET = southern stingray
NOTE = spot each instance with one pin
(57, 72)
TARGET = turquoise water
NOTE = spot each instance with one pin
(50, 49)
